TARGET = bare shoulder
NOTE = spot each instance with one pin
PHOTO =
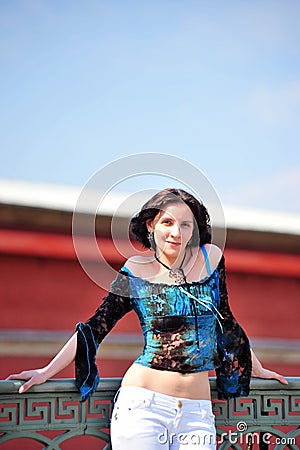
(136, 264)
(214, 254)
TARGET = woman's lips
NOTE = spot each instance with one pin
(173, 243)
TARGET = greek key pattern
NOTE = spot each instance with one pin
(259, 410)
(269, 417)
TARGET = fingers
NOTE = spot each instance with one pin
(18, 376)
(276, 376)
(265, 373)
(25, 386)
(280, 378)
(31, 377)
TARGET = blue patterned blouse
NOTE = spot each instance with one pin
(187, 328)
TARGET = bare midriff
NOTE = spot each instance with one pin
(184, 385)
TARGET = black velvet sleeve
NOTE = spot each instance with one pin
(91, 333)
(234, 373)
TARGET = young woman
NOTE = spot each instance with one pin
(180, 297)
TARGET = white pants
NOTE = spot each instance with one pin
(147, 420)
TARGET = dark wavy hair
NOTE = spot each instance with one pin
(157, 203)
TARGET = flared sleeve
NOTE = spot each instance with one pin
(234, 372)
(91, 333)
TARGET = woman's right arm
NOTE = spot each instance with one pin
(58, 363)
(82, 346)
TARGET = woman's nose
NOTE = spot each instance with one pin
(175, 231)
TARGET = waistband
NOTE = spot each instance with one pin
(156, 398)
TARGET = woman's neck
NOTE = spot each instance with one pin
(171, 262)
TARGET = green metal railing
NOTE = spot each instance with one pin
(268, 418)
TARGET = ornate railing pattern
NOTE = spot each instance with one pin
(269, 417)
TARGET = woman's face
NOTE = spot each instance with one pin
(173, 228)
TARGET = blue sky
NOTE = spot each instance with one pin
(214, 82)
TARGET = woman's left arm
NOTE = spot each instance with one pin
(260, 372)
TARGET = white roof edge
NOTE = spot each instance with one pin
(262, 220)
(44, 195)
(63, 197)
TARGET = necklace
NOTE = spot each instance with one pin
(177, 274)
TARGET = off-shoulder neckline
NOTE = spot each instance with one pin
(186, 283)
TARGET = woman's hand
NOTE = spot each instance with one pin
(260, 372)
(32, 377)
(59, 362)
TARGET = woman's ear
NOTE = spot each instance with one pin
(149, 225)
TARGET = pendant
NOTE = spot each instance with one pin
(177, 275)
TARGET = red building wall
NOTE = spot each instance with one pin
(54, 293)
